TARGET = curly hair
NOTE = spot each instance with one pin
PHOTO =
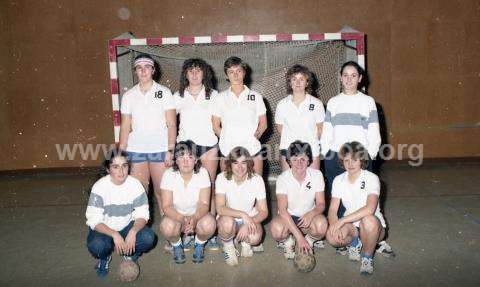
(207, 81)
(358, 152)
(233, 156)
(299, 69)
(186, 148)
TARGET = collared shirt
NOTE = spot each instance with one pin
(239, 117)
(300, 122)
(196, 117)
(149, 128)
(241, 196)
(354, 195)
(185, 197)
(301, 196)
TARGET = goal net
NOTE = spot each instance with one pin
(268, 60)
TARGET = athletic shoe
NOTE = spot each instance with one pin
(178, 254)
(258, 248)
(102, 266)
(246, 250)
(280, 244)
(341, 250)
(385, 249)
(188, 242)
(320, 244)
(198, 254)
(354, 251)
(212, 244)
(289, 247)
(230, 254)
(366, 268)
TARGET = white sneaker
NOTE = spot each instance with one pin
(354, 251)
(320, 244)
(258, 248)
(246, 250)
(168, 247)
(289, 247)
(366, 268)
(231, 254)
(385, 249)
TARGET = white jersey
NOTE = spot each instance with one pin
(149, 128)
(239, 117)
(354, 195)
(116, 205)
(185, 198)
(300, 123)
(351, 118)
(196, 117)
(241, 197)
(301, 196)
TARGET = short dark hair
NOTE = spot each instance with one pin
(113, 153)
(234, 61)
(183, 148)
(299, 69)
(235, 154)
(358, 152)
(297, 148)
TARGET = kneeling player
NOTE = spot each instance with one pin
(185, 201)
(241, 205)
(363, 225)
(301, 202)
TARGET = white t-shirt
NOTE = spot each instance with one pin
(351, 118)
(241, 197)
(239, 117)
(354, 196)
(301, 196)
(116, 205)
(300, 123)
(149, 129)
(196, 117)
(185, 198)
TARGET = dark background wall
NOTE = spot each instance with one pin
(423, 61)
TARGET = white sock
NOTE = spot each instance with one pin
(177, 243)
(310, 240)
(228, 243)
(198, 241)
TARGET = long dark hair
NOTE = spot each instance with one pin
(232, 157)
(207, 81)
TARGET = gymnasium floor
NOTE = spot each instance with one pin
(433, 211)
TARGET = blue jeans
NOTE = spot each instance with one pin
(333, 169)
(101, 245)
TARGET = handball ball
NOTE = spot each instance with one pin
(304, 262)
(128, 271)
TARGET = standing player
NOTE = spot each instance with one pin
(194, 102)
(148, 129)
(241, 205)
(362, 226)
(116, 214)
(299, 116)
(300, 201)
(185, 201)
(239, 118)
(350, 116)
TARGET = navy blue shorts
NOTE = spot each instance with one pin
(201, 149)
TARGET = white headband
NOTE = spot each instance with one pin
(143, 61)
